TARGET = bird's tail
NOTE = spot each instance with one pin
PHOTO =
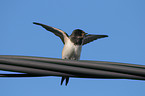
(67, 80)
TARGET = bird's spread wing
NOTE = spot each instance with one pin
(90, 38)
(63, 36)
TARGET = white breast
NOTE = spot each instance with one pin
(71, 51)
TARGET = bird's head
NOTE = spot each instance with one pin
(78, 32)
(77, 36)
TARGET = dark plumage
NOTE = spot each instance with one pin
(73, 43)
(77, 36)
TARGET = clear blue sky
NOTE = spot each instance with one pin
(122, 20)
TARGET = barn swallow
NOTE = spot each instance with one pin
(73, 43)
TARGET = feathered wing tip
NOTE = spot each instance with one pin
(61, 34)
(89, 38)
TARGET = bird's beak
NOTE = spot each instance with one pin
(86, 33)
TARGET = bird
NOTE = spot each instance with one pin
(72, 44)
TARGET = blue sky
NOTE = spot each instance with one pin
(122, 20)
